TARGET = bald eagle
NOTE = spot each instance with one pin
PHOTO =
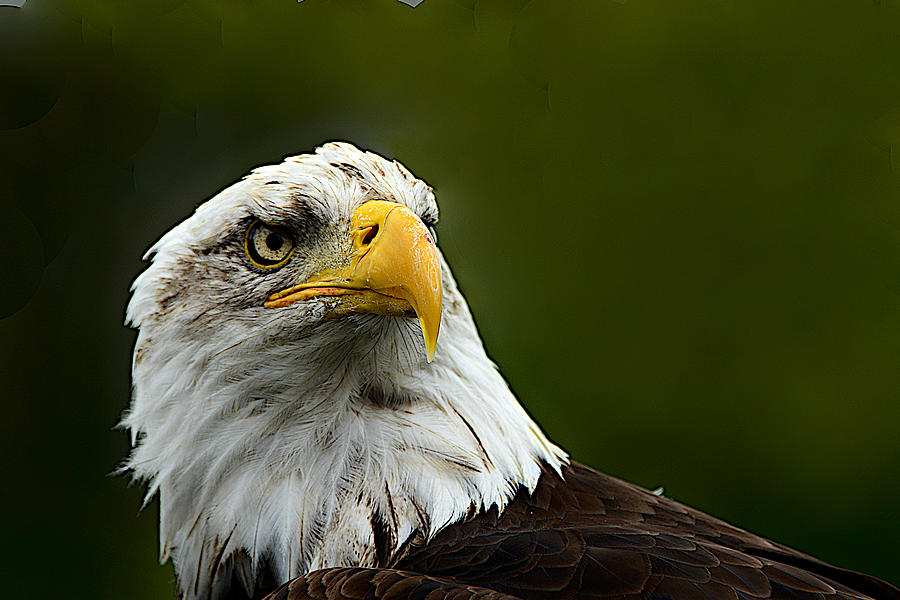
(311, 435)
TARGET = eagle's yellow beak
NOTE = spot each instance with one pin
(395, 270)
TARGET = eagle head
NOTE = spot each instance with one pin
(294, 405)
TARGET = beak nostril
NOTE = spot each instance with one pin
(369, 235)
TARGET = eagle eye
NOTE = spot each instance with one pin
(268, 246)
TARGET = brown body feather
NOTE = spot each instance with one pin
(589, 535)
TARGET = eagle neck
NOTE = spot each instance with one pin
(311, 471)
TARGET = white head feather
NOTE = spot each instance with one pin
(276, 438)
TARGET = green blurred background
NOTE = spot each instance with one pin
(676, 224)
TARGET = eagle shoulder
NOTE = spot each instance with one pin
(584, 534)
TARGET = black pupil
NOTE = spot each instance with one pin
(274, 241)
